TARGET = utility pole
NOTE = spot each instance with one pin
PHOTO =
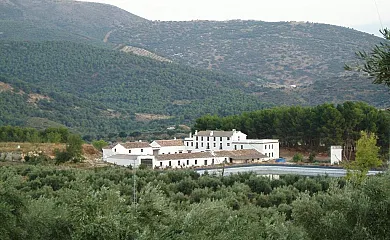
(134, 186)
(388, 161)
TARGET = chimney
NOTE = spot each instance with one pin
(234, 130)
(139, 140)
(196, 132)
(190, 134)
(174, 138)
(211, 133)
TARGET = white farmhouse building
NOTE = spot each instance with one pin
(200, 159)
(269, 147)
(204, 148)
(213, 140)
(125, 154)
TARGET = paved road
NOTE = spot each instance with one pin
(282, 170)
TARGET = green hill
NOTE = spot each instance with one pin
(94, 90)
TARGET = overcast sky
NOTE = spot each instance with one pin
(358, 14)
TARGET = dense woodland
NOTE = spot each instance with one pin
(98, 91)
(315, 128)
(39, 202)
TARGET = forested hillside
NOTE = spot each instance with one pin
(46, 203)
(93, 90)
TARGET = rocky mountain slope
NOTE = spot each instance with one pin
(308, 57)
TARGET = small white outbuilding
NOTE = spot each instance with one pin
(336, 154)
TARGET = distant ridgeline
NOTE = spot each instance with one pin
(308, 127)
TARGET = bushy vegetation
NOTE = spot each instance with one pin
(46, 203)
(309, 127)
(32, 135)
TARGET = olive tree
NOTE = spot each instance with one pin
(375, 63)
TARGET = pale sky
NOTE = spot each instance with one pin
(358, 14)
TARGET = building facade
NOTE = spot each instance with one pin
(204, 148)
(209, 140)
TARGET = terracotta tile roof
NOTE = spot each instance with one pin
(129, 145)
(209, 133)
(241, 154)
(169, 143)
(166, 157)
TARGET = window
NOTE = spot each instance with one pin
(208, 139)
(160, 164)
(180, 151)
(170, 164)
(215, 144)
(187, 144)
(129, 151)
(272, 154)
(114, 149)
(196, 146)
(196, 138)
(212, 161)
(228, 144)
(142, 150)
(272, 146)
(269, 146)
(265, 146)
(238, 138)
(208, 146)
(214, 138)
(242, 146)
(228, 138)
(220, 146)
(205, 162)
(196, 161)
(178, 163)
(235, 147)
(220, 139)
(192, 144)
(201, 138)
(201, 144)
(188, 162)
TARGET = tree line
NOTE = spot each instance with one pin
(23, 134)
(43, 202)
(315, 128)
